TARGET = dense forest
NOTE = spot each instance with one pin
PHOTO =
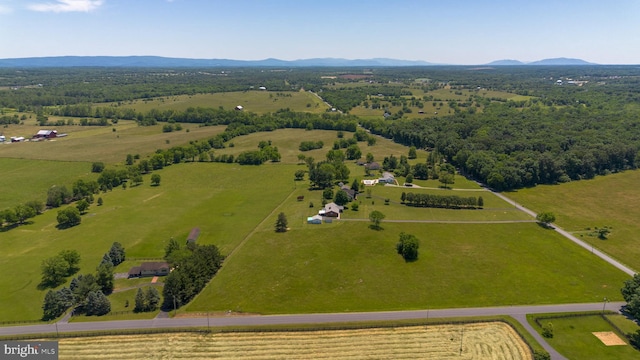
(571, 122)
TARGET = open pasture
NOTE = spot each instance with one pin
(485, 341)
(573, 337)
(346, 266)
(288, 142)
(581, 206)
(255, 101)
(25, 180)
(226, 201)
(101, 143)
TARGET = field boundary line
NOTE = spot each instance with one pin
(253, 231)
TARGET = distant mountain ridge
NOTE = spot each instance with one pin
(159, 61)
(168, 62)
(554, 61)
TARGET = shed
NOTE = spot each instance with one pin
(193, 235)
(239, 107)
(316, 219)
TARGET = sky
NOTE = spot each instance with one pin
(463, 32)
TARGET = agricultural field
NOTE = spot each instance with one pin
(575, 338)
(256, 101)
(109, 144)
(583, 206)
(485, 341)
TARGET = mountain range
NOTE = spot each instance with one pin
(167, 62)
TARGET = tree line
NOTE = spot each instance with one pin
(442, 201)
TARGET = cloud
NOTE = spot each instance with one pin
(67, 6)
(5, 9)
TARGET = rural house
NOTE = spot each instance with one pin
(157, 268)
(331, 210)
(372, 166)
(352, 194)
(387, 178)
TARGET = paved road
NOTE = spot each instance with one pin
(518, 312)
(566, 234)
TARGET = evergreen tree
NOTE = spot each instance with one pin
(140, 305)
(281, 223)
(152, 298)
(104, 278)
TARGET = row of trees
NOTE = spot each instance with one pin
(442, 201)
(19, 214)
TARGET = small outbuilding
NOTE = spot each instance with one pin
(316, 219)
(239, 108)
(193, 235)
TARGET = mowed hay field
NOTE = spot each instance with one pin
(466, 341)
(256, 101)
(582, 206)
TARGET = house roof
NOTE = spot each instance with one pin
(154, 266)
(134, 270)
(46, 132)
(373, 166)
(333, 207)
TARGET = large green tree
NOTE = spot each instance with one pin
(376, 218)
(408, 246)
(68, 217)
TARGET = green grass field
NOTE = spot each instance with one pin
(253, 101)
(344, 266)
(581, 206)
(347, 266)
(101, 143)
(26, 180)
(573, 338)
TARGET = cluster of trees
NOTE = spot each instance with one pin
(408, 246)
(56, 269)
(87, 293)
(257, 157)
(509, 148)
(631, 294)
(19, 214)
(324, 174)
(193, 266)
(310, 145)
(442, 201)
(148, 300)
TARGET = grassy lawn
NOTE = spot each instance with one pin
(259, 102)
(573, 338)
(582, 205)
(349, 267)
